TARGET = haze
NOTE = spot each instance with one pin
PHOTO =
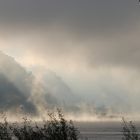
(84, 53)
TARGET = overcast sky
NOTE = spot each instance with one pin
(93, 45)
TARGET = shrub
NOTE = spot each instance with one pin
(129, 131)
(56, 128)
(60, 129)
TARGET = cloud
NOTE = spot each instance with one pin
(72, 32)
(80, 13)
(53, 46)
(92, 45)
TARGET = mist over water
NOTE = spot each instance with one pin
(81, 56)
(34, 93)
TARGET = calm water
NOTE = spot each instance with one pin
(101, 130)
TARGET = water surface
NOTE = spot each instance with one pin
(101, 130)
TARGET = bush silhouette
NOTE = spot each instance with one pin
(56, 128)
(60, 129)
(129, 131)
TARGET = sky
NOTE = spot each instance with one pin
(81, 55)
